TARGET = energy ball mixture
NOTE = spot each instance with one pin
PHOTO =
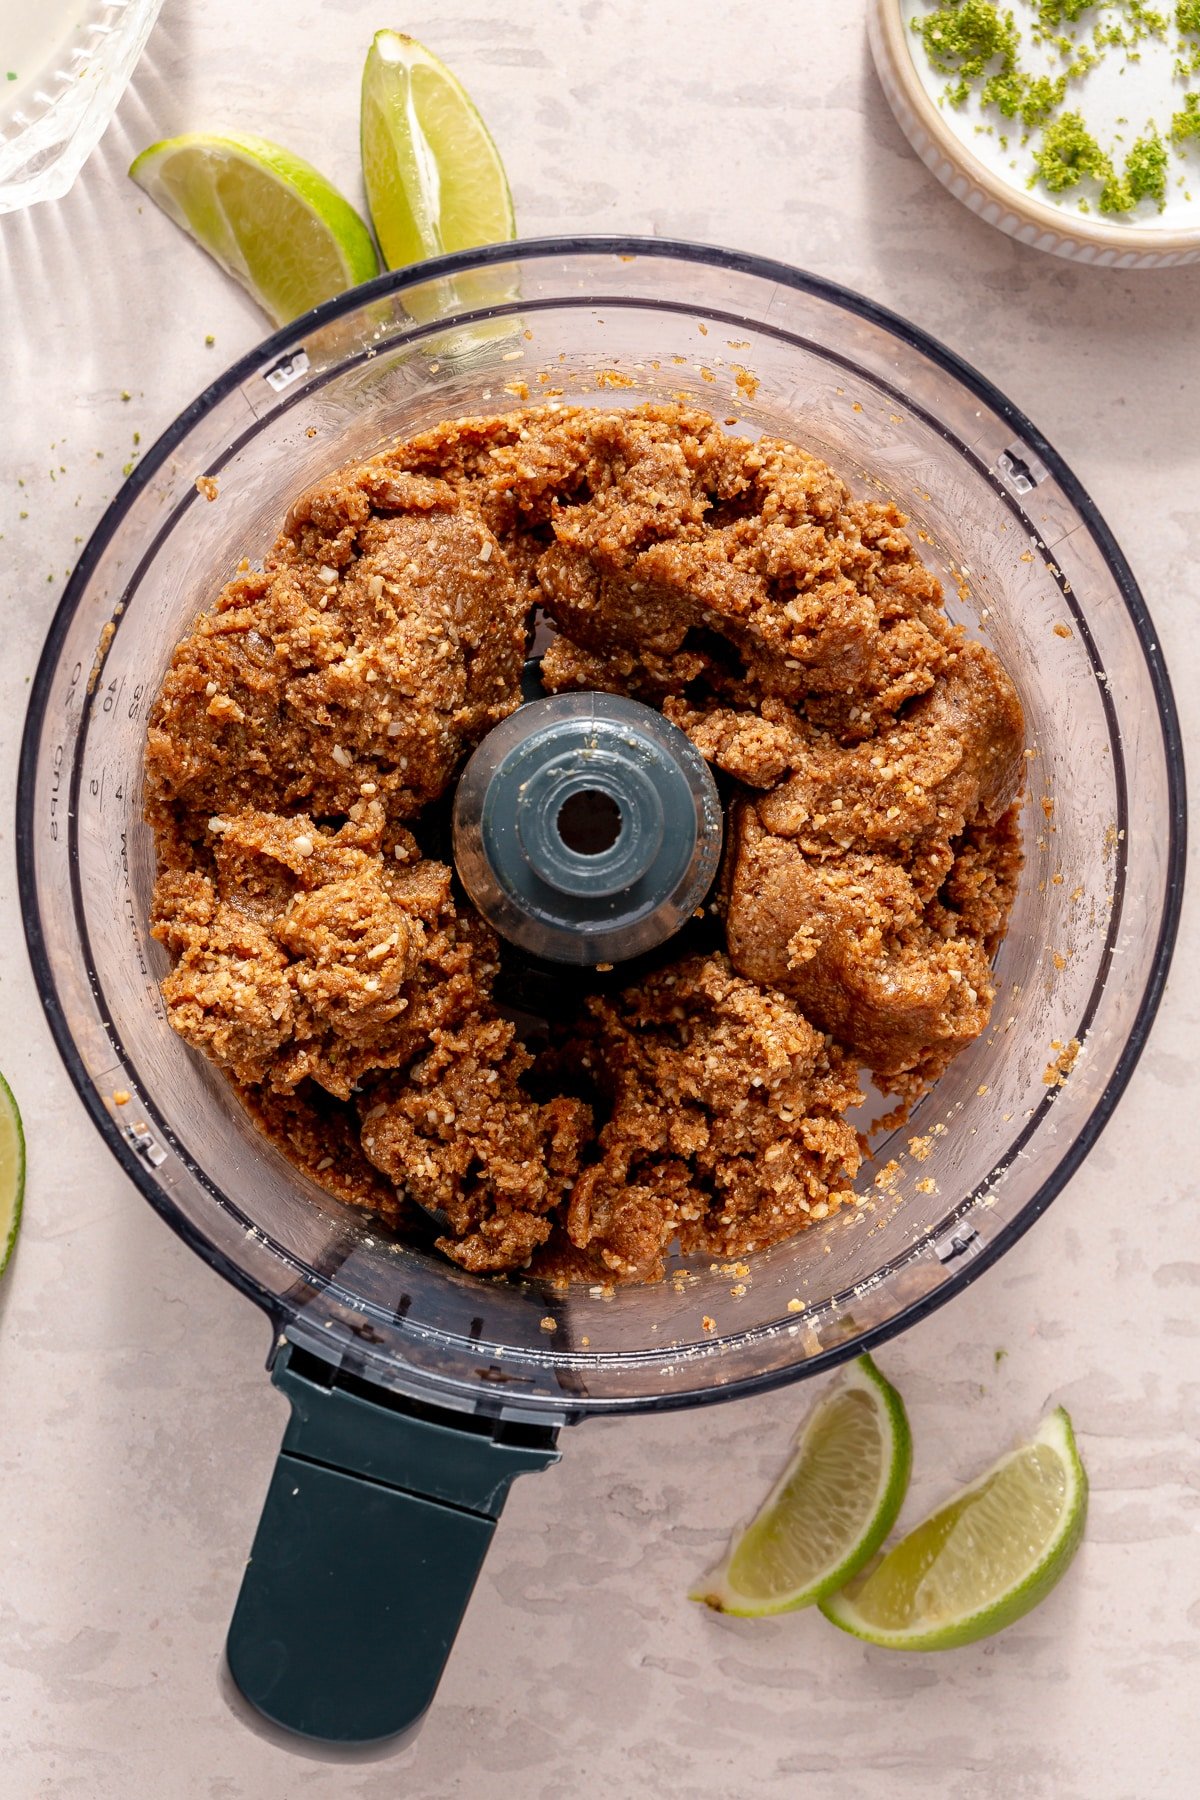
(325, 958)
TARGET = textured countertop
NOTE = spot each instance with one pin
(137, 1429)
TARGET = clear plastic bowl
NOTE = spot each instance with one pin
(75, 58)
(1027, 563)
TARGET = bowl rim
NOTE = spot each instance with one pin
(892, 43)
(284, 341)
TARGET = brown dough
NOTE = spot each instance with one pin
(325, 961)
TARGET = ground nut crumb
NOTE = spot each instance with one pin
(1060, 1067)
(328, 964)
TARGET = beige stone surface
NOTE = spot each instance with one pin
(137, 1429)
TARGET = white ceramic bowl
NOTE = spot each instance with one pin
(947, 145)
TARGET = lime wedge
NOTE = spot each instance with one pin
(433, 176)
(270, 219)
(982, 1560)
(12, 1172)
(830, 1509)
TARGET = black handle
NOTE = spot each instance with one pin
(375, 1526)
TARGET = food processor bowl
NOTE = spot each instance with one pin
(418, 1391)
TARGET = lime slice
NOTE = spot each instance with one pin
(270, 219)
(12, 1172)
(433, 176)
(830, 1509)
(982, 1560)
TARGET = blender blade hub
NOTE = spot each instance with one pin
(587, 828)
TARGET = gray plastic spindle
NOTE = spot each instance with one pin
(587, 828)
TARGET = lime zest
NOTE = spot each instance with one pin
(981, 49)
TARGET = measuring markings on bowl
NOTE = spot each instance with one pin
(288, 369)
(146, 1145)
(964, 1241)
(1021, 469)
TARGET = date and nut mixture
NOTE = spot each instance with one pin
(326, 960)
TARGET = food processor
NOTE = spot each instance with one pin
(420, 1392)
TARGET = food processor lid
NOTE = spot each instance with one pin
(587, 828)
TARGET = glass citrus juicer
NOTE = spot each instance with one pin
(419, 1392)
